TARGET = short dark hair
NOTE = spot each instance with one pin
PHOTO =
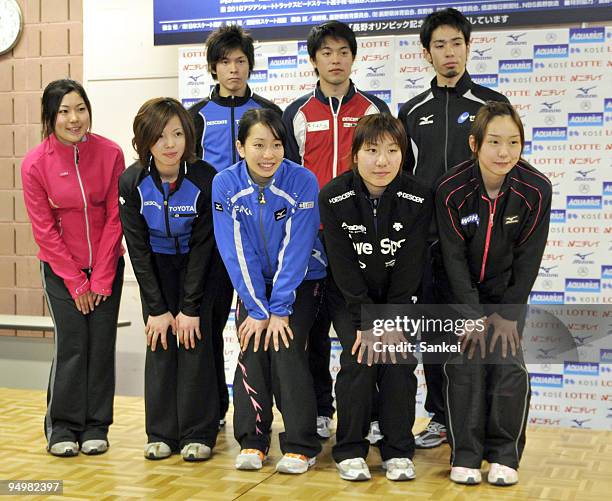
(150, 121)
(52, 99)
(332, 29)
(372, 128)
(487, 113)
(446, 17)
(264, 116)
(225, 39)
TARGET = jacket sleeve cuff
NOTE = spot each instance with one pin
(78, 286)
(191, 311)
(101, 289)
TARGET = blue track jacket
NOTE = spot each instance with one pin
(268, 235)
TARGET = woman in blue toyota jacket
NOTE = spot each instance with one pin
(165, 209)
(266, 220)
(375, 219)
(493, 214)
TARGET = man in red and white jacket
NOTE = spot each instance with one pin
(320, 132)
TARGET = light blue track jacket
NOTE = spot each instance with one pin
(268, 235)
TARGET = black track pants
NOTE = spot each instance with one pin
(82, 380)
(283, 375)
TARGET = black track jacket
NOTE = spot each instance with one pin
(438, 123)
(492, 249)
(375, 252)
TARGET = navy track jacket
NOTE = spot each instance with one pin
(216, 121)
(157, 220)
(268, 235)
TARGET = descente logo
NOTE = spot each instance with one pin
(410, 196)
(216, 122)
(344, 196)
(153, 203)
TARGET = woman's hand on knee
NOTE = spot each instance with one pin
(187, 329)
(249, 328)
(85, 302)
(157, 329)
(507, 333)
(278, 327)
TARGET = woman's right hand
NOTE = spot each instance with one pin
(250, 327)
(474, 337)
(157, 327)
(85, 302)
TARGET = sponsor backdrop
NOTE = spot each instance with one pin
(558, 82)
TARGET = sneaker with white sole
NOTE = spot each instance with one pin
(324, 427)
(221, 423)
(468, 476)
(399, 469)
(432, 436)
(93, 447)
(294, 464)
(196, 452)
(250, 459)
(374, 436)
(157, 450)
(64, 449)
(354, 469)
(500, 474)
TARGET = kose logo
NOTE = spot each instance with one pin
(543, 297)
(581, 368)
(516, 66)
(583, 202)
(585, 119)
(589, 285)
(550, 51)
(488, 80)
(549, 134)
(546, 380)
(587, 35)
(282, 62)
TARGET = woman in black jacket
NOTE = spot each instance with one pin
(375, 221)
(166, 213)
(493, 214)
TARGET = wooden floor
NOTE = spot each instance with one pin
(559, 464)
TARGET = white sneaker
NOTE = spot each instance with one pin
(64, 449)
(93, 447)
(432, 436)
(294, 463)
(157, 450)
(375, 435)
(196, 452)
(462, 475)
(250, 459)
(500, 474)
(399, 469)
(323, 427)
(353, 469)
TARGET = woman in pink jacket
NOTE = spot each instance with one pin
(70, 187)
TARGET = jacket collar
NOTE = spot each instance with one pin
(463, 85)
(157, 179)
(360, 187)
(245, 172)
(230, 100)
(335, 101)
(504, 187)
(55, 145)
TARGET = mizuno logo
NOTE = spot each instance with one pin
(511, 220)
(426, 120)
(280, 214)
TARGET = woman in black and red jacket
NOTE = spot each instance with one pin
(493, 214)
(375, 221)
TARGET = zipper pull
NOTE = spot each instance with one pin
(491, 219)
(261, 199)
